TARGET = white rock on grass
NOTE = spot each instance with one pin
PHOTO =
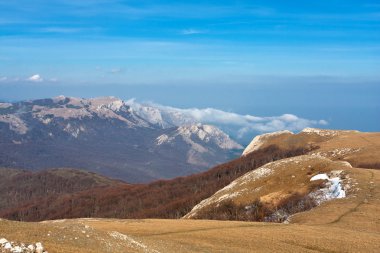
(39, 248)
(17, 249)
(31, 247)
(7, 245)
(12, 247)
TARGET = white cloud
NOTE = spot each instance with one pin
(3, 78)
(35, 78)
(237, 125)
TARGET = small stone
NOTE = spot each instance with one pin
(17, 249)
(3, 241)
(7, 245)
(39, 248)
(31, 247)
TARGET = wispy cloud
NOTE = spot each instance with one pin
(19, 80)
(64, 30)
(192, 31)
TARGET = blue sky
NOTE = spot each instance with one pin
(318, 59)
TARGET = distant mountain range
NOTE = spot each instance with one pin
(115, 138)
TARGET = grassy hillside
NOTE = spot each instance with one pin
(277, 190)
(349, 224)
(161, 199)
(345, 225)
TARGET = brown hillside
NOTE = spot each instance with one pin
(282, 188)
(19, 186)
(174, 198)
(161, 199)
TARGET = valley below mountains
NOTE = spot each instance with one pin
(313, 191)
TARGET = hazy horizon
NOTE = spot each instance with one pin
(316, 60)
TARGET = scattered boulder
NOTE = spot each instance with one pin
(12, 247)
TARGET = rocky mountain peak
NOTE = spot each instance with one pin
(199, 132)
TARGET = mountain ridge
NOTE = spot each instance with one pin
(106, 136)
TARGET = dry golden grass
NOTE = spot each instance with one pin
(351, 224)
(365, 147)
(346, 225)
(272, 183)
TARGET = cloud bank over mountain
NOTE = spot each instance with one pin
(237, 125)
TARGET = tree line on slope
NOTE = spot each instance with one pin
(161, 199)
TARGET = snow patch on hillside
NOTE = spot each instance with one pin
(333, 188)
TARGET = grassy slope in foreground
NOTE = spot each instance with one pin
(345, 225)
